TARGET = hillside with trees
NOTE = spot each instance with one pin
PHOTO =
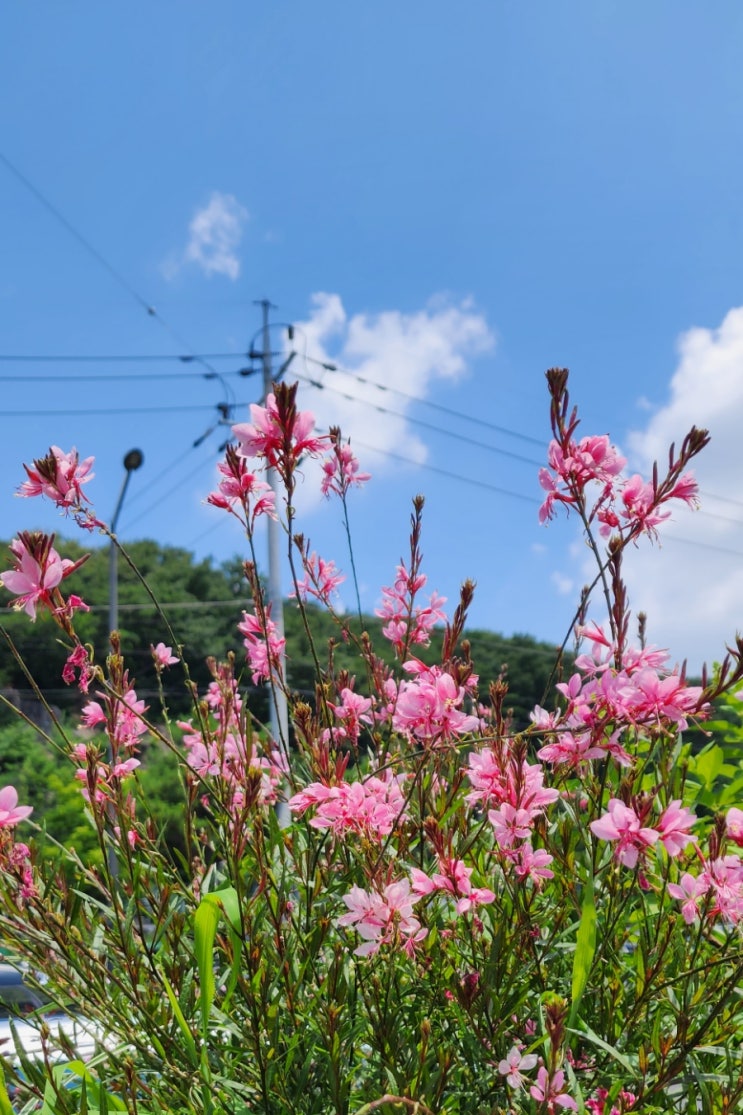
(202, 602)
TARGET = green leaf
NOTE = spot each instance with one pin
(89, 1088)
(585, 947)
(586, 1032)
(180, 1019)
(206, 920)
(5, 1108)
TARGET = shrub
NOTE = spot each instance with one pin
(406, 904)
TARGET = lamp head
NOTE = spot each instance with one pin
(133, 460)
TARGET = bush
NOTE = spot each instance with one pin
(413, 903)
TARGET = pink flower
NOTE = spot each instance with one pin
(673, 827)
(383, 918)
(10, 811)
(453, 879)
(163, 656)
(515, 1064)
(240, 487)
(429, 708)
(123, 770)
(592, 459)
(59, 476)
(689, 891)
(354, 711)
(549, 1090)
(408, 623)
(93, 714)
(341, 471)
(264, 645)
(734, 825)
(534, 865)
(510, 825)
(371, 808)
(38, 571)
(78, 660)
(278, 431)
(724, 877)
(622, 824)
(320, 580)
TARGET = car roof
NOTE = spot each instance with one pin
(9, 976)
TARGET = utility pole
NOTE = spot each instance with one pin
(279, 710)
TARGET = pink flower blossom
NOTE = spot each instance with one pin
(689, 890)
(163, 656)
(515, 1064)
(592, 459)
(408, 623)
(673, 828)
(93, 714)
(734, 825)
(429, 708)
(371, 808)
(454, 878)
(510, 825)
(264, 645)
(341, 471)
(11, 813)
(39, 570)
(18, 862)
(320, 580)
(622, 824)
(724, 877)
(548, 1090)
(278, 432)
(78, 661)
(384, 917)
(239, 487)
(59, 476)
(531, 864)
(353, 712)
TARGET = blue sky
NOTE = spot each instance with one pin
(447, 199)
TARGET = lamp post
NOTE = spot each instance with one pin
(132, 461)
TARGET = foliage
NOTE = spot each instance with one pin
(416, 903)
(200, 601)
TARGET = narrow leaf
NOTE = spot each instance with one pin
(585, 947)
(182, 1024)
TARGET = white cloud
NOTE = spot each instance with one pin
(564, 585)
(692, 588)
(215, 232)
(400, 352)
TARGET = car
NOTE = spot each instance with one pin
(23, 1010)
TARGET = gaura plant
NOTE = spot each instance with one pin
(409, 904)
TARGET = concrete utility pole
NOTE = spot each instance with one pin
(279, 710)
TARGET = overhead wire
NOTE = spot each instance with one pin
(96, 378)
(419, 422)
(115, 274)
(87, 411)
(333, 367)
(118, 358)
(166, 495)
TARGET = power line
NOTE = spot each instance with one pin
(469, 480)
(119, 358)
(332, 367)
(421, 422)
(115, 274)
(171, 408)
(166, 495)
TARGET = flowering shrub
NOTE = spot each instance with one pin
(405, 905)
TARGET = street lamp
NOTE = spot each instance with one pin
(132, 461)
